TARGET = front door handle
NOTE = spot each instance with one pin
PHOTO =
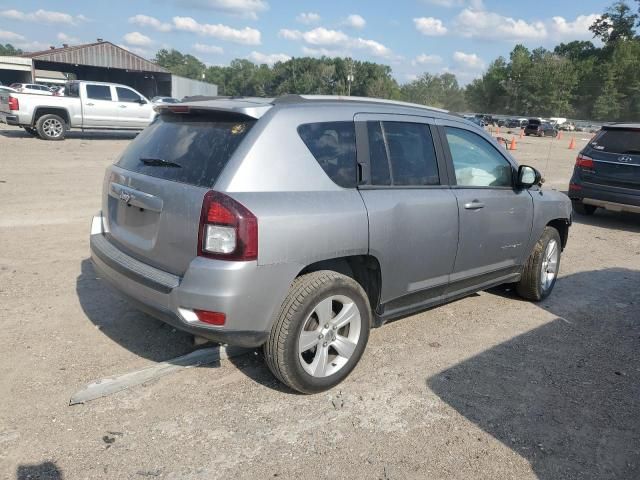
(90, 104)
(123, 106)
(475, 205)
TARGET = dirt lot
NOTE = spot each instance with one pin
(487, 387)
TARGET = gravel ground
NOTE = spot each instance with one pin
(486, 387)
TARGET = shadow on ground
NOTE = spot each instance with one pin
(623, 221)
(566, 395)
(41, 471)
(145, 336)
(73, 134)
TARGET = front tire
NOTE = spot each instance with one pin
(541, 270)
(51, 127)
(320, 333)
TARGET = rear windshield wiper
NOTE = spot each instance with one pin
(159, 162)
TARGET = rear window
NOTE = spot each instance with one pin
(333, 144)
(192, 148)
(618, 141)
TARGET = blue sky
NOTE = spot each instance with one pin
(413, 36)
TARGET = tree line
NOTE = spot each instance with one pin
(579, 79)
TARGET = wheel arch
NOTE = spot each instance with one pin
(41, 111)
(562, 226)
(364, 269)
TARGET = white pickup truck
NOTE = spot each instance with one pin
(86, 105)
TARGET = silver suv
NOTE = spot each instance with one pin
(299, 223)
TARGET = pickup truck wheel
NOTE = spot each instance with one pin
(51, 127)
(541, 270)
(320, 333)
(582, 208)
(31, 131)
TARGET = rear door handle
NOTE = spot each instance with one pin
(123, 106)
(475, 205)
(90, 104)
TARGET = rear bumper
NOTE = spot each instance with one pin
(246, 293)
(9, 118)
(611, 198)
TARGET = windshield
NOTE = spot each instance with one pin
(188, 148)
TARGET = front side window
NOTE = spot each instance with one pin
(476, 162)
(126, 95)
(333, 144)
(99, 92)
(402, 154)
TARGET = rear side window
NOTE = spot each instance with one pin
(402, 153)
(192, 148)
(333, 144)
(99, 92)
(618, 141)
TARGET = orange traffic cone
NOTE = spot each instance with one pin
(521, 133)
(498, 131)
(559, 134)
(512, 146)
(572, 145)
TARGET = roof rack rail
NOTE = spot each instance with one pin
(295, 98)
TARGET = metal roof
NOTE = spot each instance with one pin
(99, 54)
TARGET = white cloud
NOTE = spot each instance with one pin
(43, 16)
(269, 59)
(10, 36)
(489, 25)
(243, 8)
(324, 52)
(63, 37)
(308, 18)
(137, 39)
(424, 59)
(468, 60)
(354, 21)
(32, 46)
(321, 38)
(202, 48)
(147, 21)
(430, 26)
(560, 28)
(245, 36)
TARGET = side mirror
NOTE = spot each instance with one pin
(142, 101)
(528, 176)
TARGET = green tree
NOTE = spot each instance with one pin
(9, 50)
(179, 64)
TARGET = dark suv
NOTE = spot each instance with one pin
(541, 129)
(607, 171)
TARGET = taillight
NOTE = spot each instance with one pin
(228, 231)
(584, 161)
(13, 103)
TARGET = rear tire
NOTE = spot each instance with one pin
(320, 333)
(541, 270)
(51, 127)
(582, 208)
(31, 131)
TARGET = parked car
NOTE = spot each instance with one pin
(86, 105)
(58, 91)
(607, 171)
(299, 223)
(32, 88)
(568, 127)
(160, 100)
(540, 129)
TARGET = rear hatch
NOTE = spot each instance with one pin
(533, 125)
(153, 194)
(616, 158)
